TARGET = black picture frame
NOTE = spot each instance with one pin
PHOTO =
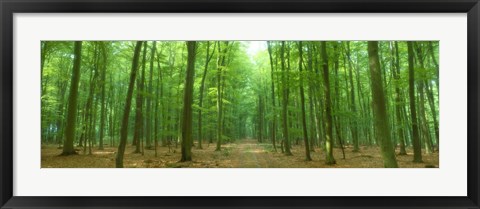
(9, 7)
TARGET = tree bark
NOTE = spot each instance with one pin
(128, 103)
(149, 100)
(379, 107)
(398, 101)
(417, 149)
(187, 129)
(202, 87)
(274, 119)
(302, 103)
(68, 148)
(220, 69)
(328, 106)
(102, 103)
(353, 107)
(286, 141)
(138, 132)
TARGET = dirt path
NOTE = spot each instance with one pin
(246, 153)
(249, 155)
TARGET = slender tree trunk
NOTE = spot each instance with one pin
(336, 101)
(202, 87)
(89, 114)
(260, 117)
(425, 130)
(286, 141)
(423, 120)
(434, 60)
(417, 149)
(431, 102)
(398, 101)
(128, 103)
(102, 103)
(328, 106)
(158, 98)
(353, 107)
(149, 99)
(61, 121)
(302, 103)
(221, 65)
(138, 133)
(274, 119)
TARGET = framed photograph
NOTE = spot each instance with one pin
(239, 104)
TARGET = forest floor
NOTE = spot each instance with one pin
(241, 154)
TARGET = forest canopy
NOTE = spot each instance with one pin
(236, 104)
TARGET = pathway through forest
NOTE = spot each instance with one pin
(247, 153)
(249, 156)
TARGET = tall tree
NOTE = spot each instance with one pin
(102, 103)
(336, 99)
(380, 108)
(286, 139)
(148, 124)
(417, 149)
(398, 99)
(274, 119)
(422, 84)
(353, 107)
(222, 53)
(68, 148)
(138, 133)
(128, 104)
(187, 129)
(302, 103)
(328, 105)
(201, 91)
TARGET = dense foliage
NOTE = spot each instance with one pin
(314, 94)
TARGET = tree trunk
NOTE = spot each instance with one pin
(328, 106)
(417, 149)
(68, 148)
(302, 103)
(431, 102)
(434, 60)
(398, 101)
(379, 107)
(187, 129)
(102, 103)
(202, 87)
(128, 103)
(138, 132)
(88, 119)
(274, 119)
(221, 64)
(286, 141)
(353, 107)
(336, 101)
(149, 100)
(425, 130)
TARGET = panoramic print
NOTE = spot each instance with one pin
(240, 104)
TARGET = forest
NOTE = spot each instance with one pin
(240, 104)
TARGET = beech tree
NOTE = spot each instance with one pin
(328, 105)
(68, 148)
(128, 103)
(379, 107)
(187, 129)
(417, 149)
